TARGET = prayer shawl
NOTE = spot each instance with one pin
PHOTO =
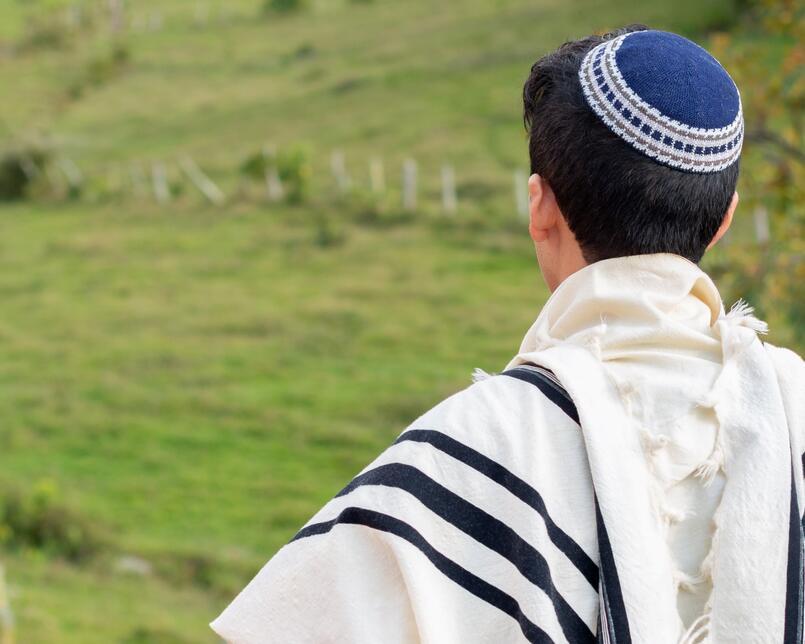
(522, 508)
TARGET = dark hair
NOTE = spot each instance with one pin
(616, 200)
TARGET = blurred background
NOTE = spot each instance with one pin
(244, 244)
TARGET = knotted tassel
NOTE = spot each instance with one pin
(707, 469)
(699, 631)
(741, 314)
(652, 442)
(671, 516)
(706, 568)
(687, 582)
(479, 374)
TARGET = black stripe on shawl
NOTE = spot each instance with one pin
(795, 583)
(612, 596)
(613, 609)
(514, 484)
(484, 528)
(557, 395)
(461, 576)
(802, 474)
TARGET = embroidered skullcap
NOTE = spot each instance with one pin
(667, 97)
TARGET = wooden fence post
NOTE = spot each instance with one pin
(202, 14)
(205, 185)
(274, 189)
(274, 184)
(159, 179)
(117, 16)
(155, 21)
(338, 166)
(75, 179)
(409, 185)
(449, 199)
(29, 168)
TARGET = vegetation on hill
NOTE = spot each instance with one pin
(765, 54)
(185, 383)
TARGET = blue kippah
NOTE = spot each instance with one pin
(667, 97)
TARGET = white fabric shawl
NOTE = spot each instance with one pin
(662, 351)
(508, 514)
(598, 317)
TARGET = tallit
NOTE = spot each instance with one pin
(526, 507)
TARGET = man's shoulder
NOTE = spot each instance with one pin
(499, 439)
(512, 418)
(500, 401)
(790, 371)
(474, 490)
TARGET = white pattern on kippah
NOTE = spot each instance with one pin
(600, 68)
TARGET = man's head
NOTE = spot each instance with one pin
(597, 191)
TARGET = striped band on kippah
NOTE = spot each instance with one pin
(655, 60)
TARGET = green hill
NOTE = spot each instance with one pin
(189, 383)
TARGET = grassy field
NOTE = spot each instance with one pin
(196, 381)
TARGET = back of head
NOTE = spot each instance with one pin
(638, 133)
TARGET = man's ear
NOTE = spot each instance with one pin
(541, 210)
(725, 223)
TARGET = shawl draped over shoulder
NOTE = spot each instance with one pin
(524, 508)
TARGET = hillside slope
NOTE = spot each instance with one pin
(196, 381)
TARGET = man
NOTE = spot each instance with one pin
(636, 472)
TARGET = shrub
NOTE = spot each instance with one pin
(328, 231)
(293, 168)
(769, 276)
(284, 6)
(19, 167)
(43, 33)
(36, 519)
(100, 70)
